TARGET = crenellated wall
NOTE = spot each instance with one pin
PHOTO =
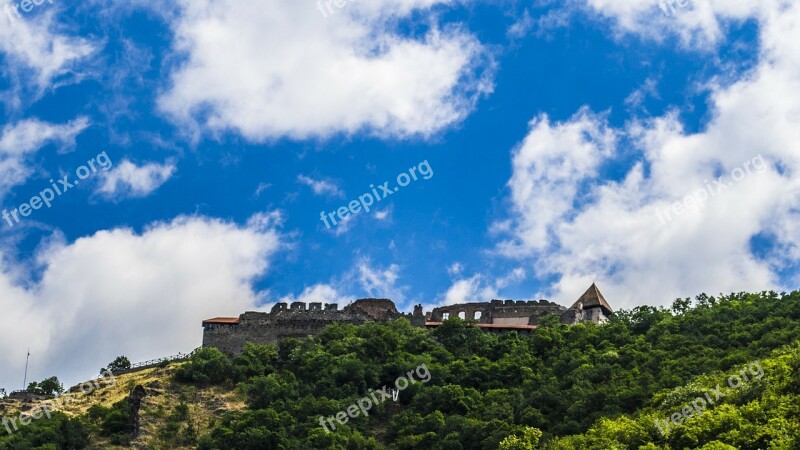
(299, 319)
(295, 320)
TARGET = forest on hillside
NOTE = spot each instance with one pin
(629, 384)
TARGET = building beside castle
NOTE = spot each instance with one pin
(230, 334)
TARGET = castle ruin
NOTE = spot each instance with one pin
(230, 334)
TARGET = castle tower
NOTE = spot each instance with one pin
(592, 306)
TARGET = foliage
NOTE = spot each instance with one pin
(207, 365)
(56, 432)
(120, 363)
(760, 413)
(177, 429)
(114, 422)
(581, 386)
(48, 386)
(528, 441)
(584, 386)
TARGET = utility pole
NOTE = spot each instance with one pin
(25, 381)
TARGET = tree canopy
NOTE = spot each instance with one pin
(584, 386)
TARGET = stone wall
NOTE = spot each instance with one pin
(503, 312)
(470, 312)
(380, 309)
(301, 320)
(295, 320)
(231, 338)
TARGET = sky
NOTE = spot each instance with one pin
(162, 163)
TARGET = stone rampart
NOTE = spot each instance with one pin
(300, 320)
(506, 312)
(295, 320)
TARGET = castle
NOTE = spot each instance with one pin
(230, 334)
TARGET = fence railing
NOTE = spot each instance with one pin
(155, 362)
(137, 366)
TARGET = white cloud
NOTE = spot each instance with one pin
(479, 287)
(272, 69)
(380, 282)
(580, 227)
(517, 274)
(30, 135)
(648, 89)
(521, 27)
(550, 167)
(343, 225)
(22, 139)
(129, 180)
(455, 269)
(35, 44)
(372, 280)
(474, 289)
(384, 216)
(321, 187)
(116, 292)
(324, 293)
(701, 24)
(262, 187)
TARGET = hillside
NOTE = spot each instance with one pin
(164, 395)
(617, 385)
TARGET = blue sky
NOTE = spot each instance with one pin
(558, 134)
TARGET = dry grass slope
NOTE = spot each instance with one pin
(206, 405)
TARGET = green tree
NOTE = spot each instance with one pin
(207, 366)
(55, 432)
(48, 386)
(528, 441)
(120, 363)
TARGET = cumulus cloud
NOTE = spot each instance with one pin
(473, 289)
(380, 282)
(116, 292)
(579, 226)
(363, 278)
(35, 44)
(323, 293)
(22, 139)
(545, 182)
(479, 287)
(129, 180)
(700, 24)
(321, 187)
(272, 69)
(517, 274)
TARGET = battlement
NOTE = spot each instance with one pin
(300, 307)
(299, 319)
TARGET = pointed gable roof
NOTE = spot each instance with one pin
(592, 298)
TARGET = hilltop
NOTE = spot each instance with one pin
(617, 385)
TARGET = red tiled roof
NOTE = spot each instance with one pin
(494, 326)
(223, 320)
